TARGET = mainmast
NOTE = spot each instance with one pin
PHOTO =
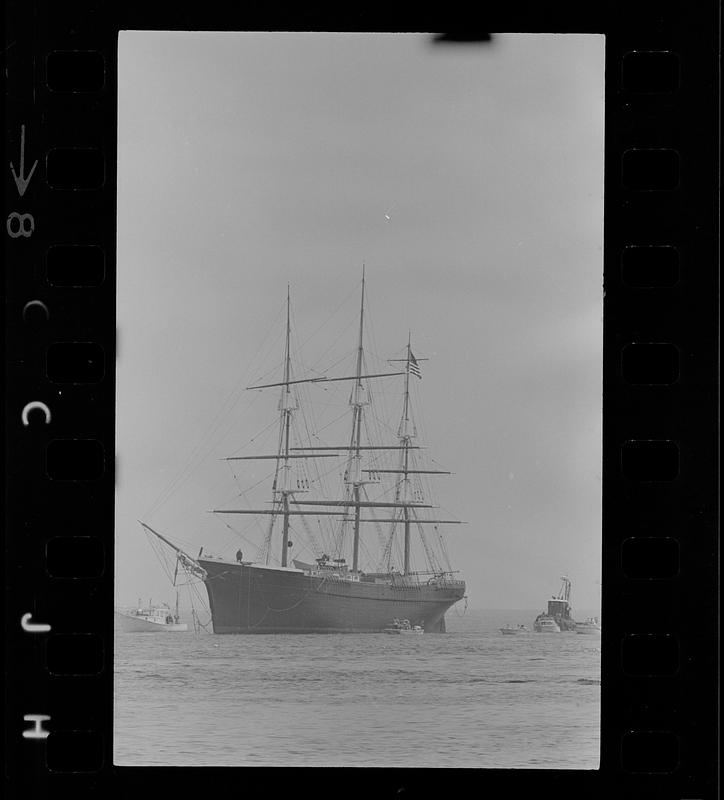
(287, 405)
(357, 400)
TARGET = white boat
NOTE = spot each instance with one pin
(590, 627)
(545, 624)
(512, 630)
(404, 626)
(149, 619)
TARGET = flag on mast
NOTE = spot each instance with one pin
(414, 366)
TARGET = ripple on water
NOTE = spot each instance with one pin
(468, 699)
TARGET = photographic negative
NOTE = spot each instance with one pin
(359, 400)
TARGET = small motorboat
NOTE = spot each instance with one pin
(591, 626)
(514, 630)
(404, 626)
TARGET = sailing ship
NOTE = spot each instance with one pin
(153, 618)
(380, 488)
(559, 614)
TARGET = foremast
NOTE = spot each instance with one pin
(282, 484)
(282, 489)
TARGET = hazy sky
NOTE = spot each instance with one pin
(470, 182)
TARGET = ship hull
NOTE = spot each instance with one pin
(246, 598)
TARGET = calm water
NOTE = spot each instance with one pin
(470, 698)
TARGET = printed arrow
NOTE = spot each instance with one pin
(20, 181)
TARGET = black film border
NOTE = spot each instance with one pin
(660, 548)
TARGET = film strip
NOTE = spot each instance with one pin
(657, 470)
(660, 578)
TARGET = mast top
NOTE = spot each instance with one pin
(361, 327)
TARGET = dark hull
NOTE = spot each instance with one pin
(560, 610)
(251, 599)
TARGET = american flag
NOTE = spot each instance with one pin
(414, 366)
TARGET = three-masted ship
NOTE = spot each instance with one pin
(380, 489)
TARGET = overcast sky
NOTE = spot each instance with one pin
(469, 180)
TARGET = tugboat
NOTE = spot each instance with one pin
(559, 615)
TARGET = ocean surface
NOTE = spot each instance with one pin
(468, 698)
